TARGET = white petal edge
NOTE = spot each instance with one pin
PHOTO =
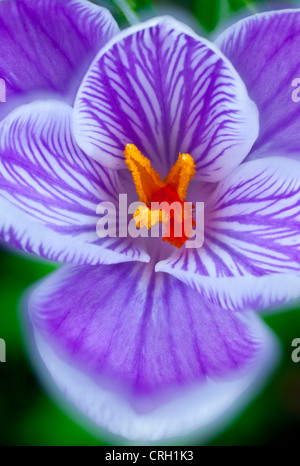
(36, 239)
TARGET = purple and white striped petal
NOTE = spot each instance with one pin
(251, 253)
(141, 354)
(50, 190)
(264, 49)
(166, 90)
(47, 45)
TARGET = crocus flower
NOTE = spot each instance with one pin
(147, 340)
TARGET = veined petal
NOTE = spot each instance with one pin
(50, 189)
(46, 45)
(141, 354)
(264, 49)
(166, 90)
(251, 253)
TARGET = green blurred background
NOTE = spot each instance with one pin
(27, 414)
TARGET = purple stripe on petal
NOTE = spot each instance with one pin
(166, 90)
(146, 343)
(46, 45)
(251, 252)
(264, 49)
(50, 189)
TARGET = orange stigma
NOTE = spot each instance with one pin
(163, 200)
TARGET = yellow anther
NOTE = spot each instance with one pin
(181, 174)
(147, 181)
(145, 217)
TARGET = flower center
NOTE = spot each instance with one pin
(163, 200)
